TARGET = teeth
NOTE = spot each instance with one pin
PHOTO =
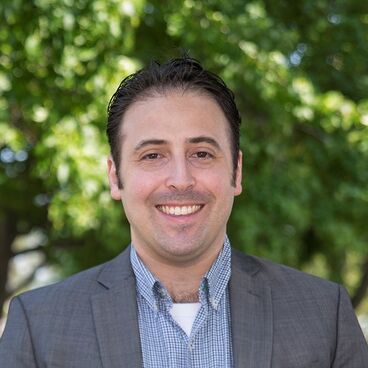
(179, 211)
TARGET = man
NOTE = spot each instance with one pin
(179, 296)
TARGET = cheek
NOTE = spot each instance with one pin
(139, 185)
(220, 186)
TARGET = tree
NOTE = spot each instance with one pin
(59, 63)
(299, 75)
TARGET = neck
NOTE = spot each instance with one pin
(182, 284)
(182, 281)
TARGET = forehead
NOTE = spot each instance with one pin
(174, 115)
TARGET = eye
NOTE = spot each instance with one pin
(151, 156)
(203, 155)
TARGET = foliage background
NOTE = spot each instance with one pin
(298, 70)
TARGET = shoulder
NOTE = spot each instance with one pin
(79, 287)
(285, 280)
(79, 284)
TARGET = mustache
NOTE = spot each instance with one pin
(184, 196)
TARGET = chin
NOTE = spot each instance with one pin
(182, 250)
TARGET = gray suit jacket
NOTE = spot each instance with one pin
(281, 318)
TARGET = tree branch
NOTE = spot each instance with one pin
(56, 244)
(29, 250)
(312, 131)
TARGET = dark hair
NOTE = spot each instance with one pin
(183, 73)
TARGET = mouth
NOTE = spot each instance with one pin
(180, 210)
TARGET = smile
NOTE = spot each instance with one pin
(180, 210)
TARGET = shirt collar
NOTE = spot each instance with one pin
(212, 288)
(146, 282)
(217, 277)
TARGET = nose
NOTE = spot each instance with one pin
(180, 176)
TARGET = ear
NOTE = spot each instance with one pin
(113, 179)
(238, 180)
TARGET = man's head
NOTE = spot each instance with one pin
(182, 74)
(176, 153)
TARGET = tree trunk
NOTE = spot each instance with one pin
(361, 291)
(7, 236)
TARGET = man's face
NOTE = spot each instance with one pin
(176, 171)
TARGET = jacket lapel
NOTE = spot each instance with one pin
(115, 315)
(251, 314)
(116, 321)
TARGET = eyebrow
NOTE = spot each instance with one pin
(204, 139)
(160, 142)
(149, 142)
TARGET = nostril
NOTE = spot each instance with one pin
(180, 179)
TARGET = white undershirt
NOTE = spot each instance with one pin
(184, 315)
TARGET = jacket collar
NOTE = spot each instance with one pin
(251, 313)
(116, 319)
(115, 315)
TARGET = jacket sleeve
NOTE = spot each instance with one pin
(351, 347)
(16, 349)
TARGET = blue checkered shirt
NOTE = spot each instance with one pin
(164, 343)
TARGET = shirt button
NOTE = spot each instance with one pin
(214, 303)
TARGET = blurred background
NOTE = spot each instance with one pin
(300, 75)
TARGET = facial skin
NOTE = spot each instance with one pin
(176, 170)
